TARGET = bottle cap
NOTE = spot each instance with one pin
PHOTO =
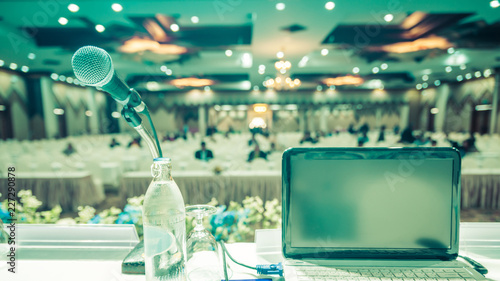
(162, 159)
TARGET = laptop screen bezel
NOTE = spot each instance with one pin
(290, 252)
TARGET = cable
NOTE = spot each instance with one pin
(224, 261)
(477, 266)
(229, 255)
(146, 112)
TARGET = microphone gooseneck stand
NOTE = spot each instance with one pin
(134, 120)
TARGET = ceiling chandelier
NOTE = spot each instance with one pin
(343, 80)
(191, 82)
(282, 80)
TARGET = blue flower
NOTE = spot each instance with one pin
(4, 215)
(132, 210)
(124, 218)
(95, 220)
(228, 218)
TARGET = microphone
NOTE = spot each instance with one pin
(93, 67)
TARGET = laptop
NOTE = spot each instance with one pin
(372, 214)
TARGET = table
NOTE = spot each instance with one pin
(199, 187)
(67, 189)
(478, 241)
(481, 188)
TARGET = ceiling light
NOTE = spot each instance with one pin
(343, 80)
(388, 17)
(76, 82)
(229, 53)
(116, 114)
(319, 88)
(195, 19)
(206, 88)
(303, 61)
(463, 67)
(437, 83)
(494, 4)
(451, 50)
(69, 79)
(425, 85)
(13, 66)
(425, 77)
(137, 44)
(324, 52)
(262, 71)
(329, 5)
(434, 110)
(88, 113)
(73, 8)
(355, 70)
(262, 67)
(168, 72)
(484, 107)
(31, 56)
(384, 66)
(191, 82)
(332, 87)
(418, 86)
(62, 78)
(58, 111)
(117, 7)
(487, 73)
(375, 84)
(25, 69)
(62, 21)
(54, 76)
(2, 62)
(448, 69)
(477, 74)
(280, 54)
(375, 69)
(468, 76)
(100, 28)
(460, 78)
(152, 86)
(174, 27)
(255, 88)
(246, 60)
(163, 68)
(280, 6)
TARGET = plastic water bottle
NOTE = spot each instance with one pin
(164, 225)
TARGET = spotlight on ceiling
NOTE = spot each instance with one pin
(195, 19)
(437, 83)
(324, 52)
(451, 50)
(448, 69)
(495, 4)
(384, 66)
(25, 69)
(117, 7)
(375, 70)
(73, 8)
(477, 74)
(63, 21)
(329, 5)
(100, 28)
(280, 54)
(355, 70)
(280, 6)
(31, 56)
(174, 27)
(13, 66)
(388, 17)
(228, 53)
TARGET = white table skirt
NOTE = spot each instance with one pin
(201, 186)
(67, 189)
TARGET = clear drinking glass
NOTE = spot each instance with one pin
(201, 248)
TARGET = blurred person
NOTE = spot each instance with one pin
(351, 129)
(381, 135)
(308, 138)
(364, 129)
(363, 139)
(136, 142)
(407, 135)
(69, 150)
(114, 143)
(256, 153)
(396, 129)
(204, 153)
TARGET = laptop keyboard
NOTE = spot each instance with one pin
(382, 274)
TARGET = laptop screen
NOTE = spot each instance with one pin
(370, 202)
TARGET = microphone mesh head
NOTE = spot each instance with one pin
(92, 66)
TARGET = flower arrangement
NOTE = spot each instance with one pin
(234, 223)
